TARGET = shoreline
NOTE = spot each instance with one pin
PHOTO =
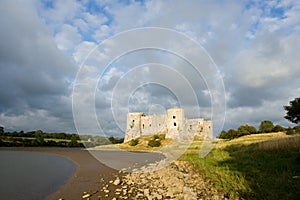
(89, 176)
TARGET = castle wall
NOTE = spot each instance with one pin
(153, 124)
(175, 122)
(207, 128)
(133, 129)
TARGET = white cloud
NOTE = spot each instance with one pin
(255, 48)
(68, 38)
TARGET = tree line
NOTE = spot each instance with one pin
(40, 138)
(266, 126)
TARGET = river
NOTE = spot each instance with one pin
(32, 175)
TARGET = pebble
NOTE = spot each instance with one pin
(86, 196)
(117, 181)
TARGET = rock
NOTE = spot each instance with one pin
(106, 191)
(117, 181)
(114, 198)
(111, 181)
(86, 196)
(146, 192)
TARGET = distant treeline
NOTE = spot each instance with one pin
(40, 138)
(265, 126)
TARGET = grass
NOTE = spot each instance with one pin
(261, 166)
(141, 146)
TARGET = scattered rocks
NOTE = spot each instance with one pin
(117, 181)
(176, 181)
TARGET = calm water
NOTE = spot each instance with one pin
(32, 175)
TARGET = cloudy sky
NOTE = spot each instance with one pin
(70, 65)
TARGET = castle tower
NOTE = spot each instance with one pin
(175, 122)
(133, 127)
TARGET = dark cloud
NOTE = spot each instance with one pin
(35, 75)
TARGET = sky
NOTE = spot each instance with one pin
(80, 66)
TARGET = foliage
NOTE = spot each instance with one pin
(266, 126)
(132, 124)
(1, 130)
(114, 140)
(292, 131)
(154, 143)
(293, 111)
(278, 128)
(155, 137)
(222, 135)
(246, 130)
(162, 136)
(230, 134)
(133, 142)
(40, 138)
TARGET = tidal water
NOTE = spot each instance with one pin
(32, 175)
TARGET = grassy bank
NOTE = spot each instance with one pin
(264, 166)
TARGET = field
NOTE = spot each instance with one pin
(260, 166)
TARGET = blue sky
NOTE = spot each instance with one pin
(44, 44)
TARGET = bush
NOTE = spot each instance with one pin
(266, 126)
(246, 130)
(278, 128)
(297, 129)
(223, 135)
(154, 137)
(133, 142)
(162, 136)
(290, 131)
(154, 143)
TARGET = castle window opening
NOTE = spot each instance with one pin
(150, 125)
(143, 126)
(174, 116)
(191, 126)
(132, 120)
(174, 123)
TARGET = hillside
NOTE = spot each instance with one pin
(259, 166)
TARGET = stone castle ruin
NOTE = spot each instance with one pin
(173, 124)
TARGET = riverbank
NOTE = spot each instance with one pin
(90, 175)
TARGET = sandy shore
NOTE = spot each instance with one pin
(94, 180)
(90, 175)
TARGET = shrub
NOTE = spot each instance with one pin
(223, 135)
(278, 128)
(162, 136)
(133, 142)
(154, 137)
(297, 129)
(246, 130)
(266, 126)
(290, 131)
(154, 143)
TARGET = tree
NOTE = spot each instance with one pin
(73, 142)
(223, 135)
(266, 126)
(246, 130)
(278, 128)
(133, 142)
(293, 111)
(1, 130)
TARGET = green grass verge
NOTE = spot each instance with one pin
(261, 169)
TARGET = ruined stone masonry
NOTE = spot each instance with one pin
(173, 124)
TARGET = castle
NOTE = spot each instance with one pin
(173, 124)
